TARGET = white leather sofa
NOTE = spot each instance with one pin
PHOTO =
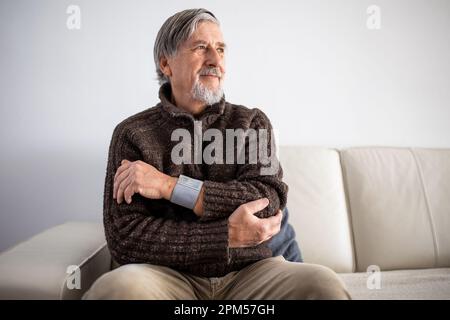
(355, 210)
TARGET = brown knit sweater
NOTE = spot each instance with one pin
(162, 233)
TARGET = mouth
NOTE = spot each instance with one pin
(210, 78)
(210, 75)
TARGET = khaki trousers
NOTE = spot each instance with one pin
(272, 278)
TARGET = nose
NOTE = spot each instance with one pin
(214, 59)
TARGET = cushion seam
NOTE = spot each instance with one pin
(430, 216)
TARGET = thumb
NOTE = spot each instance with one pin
(256, 205)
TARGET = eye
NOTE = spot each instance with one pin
(221, 50)
(201, 47)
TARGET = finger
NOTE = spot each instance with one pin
(279, 214)
(121, 189)
(268, 238)
(123, 166)
(256, 205)
(265, 238)
(118, 180)
(277, 218)
(115, 184)
(275, 227)
(128, 193)
(275, 221)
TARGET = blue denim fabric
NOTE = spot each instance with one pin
(284, 243)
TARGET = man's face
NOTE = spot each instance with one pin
(204, 50)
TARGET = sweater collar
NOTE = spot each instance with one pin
(207, 116)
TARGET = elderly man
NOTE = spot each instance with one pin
(190, 229)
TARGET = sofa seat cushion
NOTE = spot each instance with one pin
(401, 284)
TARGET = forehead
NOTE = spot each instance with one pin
(206, 31)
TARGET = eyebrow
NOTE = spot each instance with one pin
(220, 44)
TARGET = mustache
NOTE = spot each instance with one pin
(208, 71)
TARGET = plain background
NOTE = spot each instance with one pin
(314, 67)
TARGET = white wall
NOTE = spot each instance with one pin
(314, 67)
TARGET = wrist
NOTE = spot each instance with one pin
(198, 207)
(168, 187)
(186, 192)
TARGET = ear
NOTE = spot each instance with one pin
(165, 67)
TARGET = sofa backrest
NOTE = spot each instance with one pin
(357, 207)
(399, 203)
(317, 206)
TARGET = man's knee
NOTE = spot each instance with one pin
(121, 283)
(298, 281)
(324, 284)
(131, 281)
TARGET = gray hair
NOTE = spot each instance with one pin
(177, 29)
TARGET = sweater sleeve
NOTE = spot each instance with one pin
(136, 234)
(220, 199)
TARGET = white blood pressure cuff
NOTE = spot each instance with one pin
(186, 191)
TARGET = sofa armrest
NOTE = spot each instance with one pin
(38, 268)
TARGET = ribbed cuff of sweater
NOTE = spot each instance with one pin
(244, 255)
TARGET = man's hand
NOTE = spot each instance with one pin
(247, 230)
(140, 177)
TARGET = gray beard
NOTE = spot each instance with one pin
(202, 93)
